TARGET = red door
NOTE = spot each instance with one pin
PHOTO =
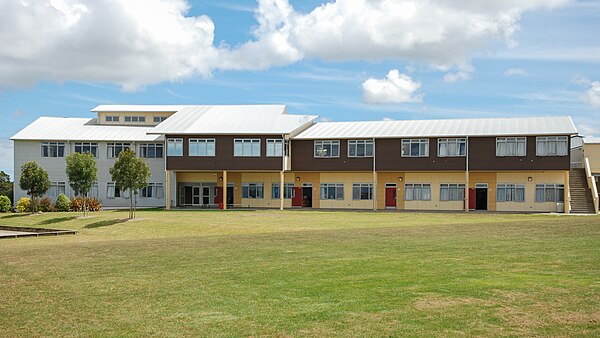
(218, 195)
(390, 197)
(296, 196)
(472, 199)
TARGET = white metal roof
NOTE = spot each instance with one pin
(562, 125)
(81, 129)
(591, 140)
(136, 108)
(233, 119)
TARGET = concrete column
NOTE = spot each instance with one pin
(168, 190)
(281, 189)
(224, 189)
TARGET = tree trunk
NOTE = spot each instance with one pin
(84, 204)
(130, 205)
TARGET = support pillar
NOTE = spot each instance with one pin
(281, 189)
(224, 189)
(168, 191)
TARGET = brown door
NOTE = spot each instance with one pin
(297, 197)
(390, 197)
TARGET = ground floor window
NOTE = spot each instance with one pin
(153, 190)
(252, 190)
(287, 190)
(510, 193)
(112, 191)
(332, 191)
(56, 188)
(362, 191)
(549, 193)
(452, 192)
(417, 192)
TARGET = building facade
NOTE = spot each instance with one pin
(261, 157)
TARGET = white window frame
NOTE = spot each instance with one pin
(91, 146)
(320, 148)
(111, 118)
(338, 191)
(144, 150)
(159, 119)
(503, 151)
(259, 190)
(175, 147)
(549, 193)
(53, 149)
(112, 146)
(422, 142)
(357, 191)
(287, 190)
(275, 147)
(239, 149)
(57, 188)
(452, 147)
(542, 145)
(418, 192)
(509, 192)
(135, 118)
(366, 152)
(456, 192)
(198, 144)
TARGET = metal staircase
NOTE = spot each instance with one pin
(581, 195)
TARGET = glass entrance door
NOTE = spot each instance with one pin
(195, 195)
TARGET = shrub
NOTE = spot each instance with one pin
(24, 205)
(44, 204)
(93, 204)
(63, 203)
(5, 204)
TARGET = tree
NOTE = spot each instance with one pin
(130, 173)
(34, 180)
(6, 186)
(82, 172)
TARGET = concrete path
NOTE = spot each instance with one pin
(7, 233)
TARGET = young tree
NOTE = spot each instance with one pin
(34, 180)
(82, 172)
(6, 186)
(130, 173)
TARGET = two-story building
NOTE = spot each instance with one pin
(259, 156)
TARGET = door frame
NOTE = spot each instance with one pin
(487, 195)
(308, 185)
(395, 187)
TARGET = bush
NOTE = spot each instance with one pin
(63, 203)
(93, 204)
(24, 205)
(5, 204)
(44, 204)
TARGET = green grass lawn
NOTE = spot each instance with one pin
(302, 273)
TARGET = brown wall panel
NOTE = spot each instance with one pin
(389, 157)
(224, 159)
(303, 159)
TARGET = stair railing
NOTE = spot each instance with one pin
(592, 184)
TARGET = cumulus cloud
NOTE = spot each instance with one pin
(394, 88)
(139, 42)
(515, 72)
(592, 95)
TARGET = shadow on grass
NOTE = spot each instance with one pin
(105, 223)
(15, 215)
(57, 220)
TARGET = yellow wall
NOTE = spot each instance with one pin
(149, 117)
(389, 177)
(236, 179)
(315, 179)
(347, 179)
(435, 179)
(592, 152)
(546, 177)
(490, 179)
(267, 179)
(197, 177)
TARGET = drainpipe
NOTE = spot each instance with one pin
(374, 180)
(467, 174)
(282, 174)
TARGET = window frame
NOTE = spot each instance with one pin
(135, 118)
(365, 144)
(177, 143)
(205, 142)
(555, 188)
(145, 147)
(272, 143)
(159, 119)
(455, 190)
(546, 140)
(288, 190)
(241, 142)
(421, 186)
(505, 140)
(410, 142)
(322, 144)
(111, 147)
(338, 191)
(112, 118)
(91, 145)
(259, 190)
(512, 196)
(360, 187)
(452, 141)
(58, 147)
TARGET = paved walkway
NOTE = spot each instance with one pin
(7, 233)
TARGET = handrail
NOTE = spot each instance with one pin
(592, 184)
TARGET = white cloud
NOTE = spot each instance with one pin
(394, 88)
(515, 72)
(592, 95)
(6, 157)
(134, 43)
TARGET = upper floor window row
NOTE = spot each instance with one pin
(360, 148)
(511, 146)
(110, 118)
(175, 147)
(246, 147)
(552, 146)
(114, 149)
(325, 149)
(202, 147)
(159, 119)
(452, 147)
(53, 149)
(135, 119)
(151, 150)
(275, 147)
(85, 147)
(415, 148)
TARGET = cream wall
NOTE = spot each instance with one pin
(592, 152)
(546, 177)
(390, 177)
(347, 179)
(267, 179)
(149, 117)
(435, 179)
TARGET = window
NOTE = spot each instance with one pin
(510, 193)
(452, 192)
(415, 148)
(360, 148)
(452, 147)
(90, 148)
(417, 192)
(549, 193)
(332, 191)
(274, 147)
(552, 146)
(93, 191)
(111, 119)
(53, 149)
(327, 148)
(151, 150)
(362, 191)
(159, 119)
(135, 119)
(287, 190)
(56, 188)
(511, 146)
(153, 190)
(112, 191)
(252, 190)
(114, 149)
(246, 147)
(202, 147)
(175, 147)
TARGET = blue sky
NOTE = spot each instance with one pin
(512, 58)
